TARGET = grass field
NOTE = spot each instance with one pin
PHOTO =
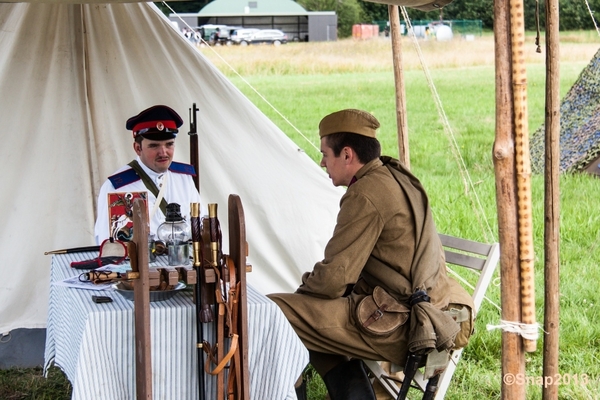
(298, 83)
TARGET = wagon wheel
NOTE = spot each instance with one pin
(238, 250)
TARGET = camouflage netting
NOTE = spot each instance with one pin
(579, 124)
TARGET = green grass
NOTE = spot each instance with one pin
(30, 384)
(467, 96)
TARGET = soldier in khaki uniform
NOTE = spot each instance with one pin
(384, 257)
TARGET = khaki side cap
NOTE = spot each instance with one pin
(349, 120)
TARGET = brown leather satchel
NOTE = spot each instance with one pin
(380, 313)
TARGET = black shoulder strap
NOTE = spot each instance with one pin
(149, 184)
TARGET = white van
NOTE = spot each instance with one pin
(242, 36)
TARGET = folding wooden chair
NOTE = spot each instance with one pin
(478, 256)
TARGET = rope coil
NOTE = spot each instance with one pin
(527, 331)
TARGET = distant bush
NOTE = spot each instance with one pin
(574, 15)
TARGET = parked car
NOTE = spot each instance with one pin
(241, 36)
(225, 34)
(271, 36)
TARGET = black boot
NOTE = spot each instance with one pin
(349, 381)
(301, 391)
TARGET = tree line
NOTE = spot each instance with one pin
(574, 14)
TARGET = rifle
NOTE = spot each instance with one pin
(228, 297)
(231, 326)
(193, 133)
(214, 233)
(203, 310)
(201, 291)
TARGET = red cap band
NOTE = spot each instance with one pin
(159, 125)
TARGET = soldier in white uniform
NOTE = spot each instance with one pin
(153, 171)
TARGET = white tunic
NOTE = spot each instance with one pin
(179, 189)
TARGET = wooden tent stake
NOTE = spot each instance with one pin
(552, 200)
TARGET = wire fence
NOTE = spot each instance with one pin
(461, 27)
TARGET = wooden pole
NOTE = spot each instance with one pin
(513, 360)
(552, 200)
(138, 253)
(523, 164)
(403, 151)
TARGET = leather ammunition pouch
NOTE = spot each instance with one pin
(380, 314)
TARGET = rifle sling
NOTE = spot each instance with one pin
(150, 185)
(233, 347)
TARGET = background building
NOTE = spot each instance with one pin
(286, 15)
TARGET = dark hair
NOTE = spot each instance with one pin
(366, 148)
(138, 139)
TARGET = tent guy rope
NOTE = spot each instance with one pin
(527, 331)
(467, 181)
(472, 287)
(249, 84)
(592, 16)
(469, 187)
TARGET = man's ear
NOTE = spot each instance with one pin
(348, 154)
(137, 147)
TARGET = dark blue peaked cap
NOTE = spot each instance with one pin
(155, 123)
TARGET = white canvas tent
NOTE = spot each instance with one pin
(70, 75)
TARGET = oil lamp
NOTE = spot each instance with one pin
(175, 233)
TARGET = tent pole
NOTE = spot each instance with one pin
(523, 165)
(403, 151)
(513, 360)
(552, 200)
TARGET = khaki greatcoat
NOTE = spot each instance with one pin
(384, 236)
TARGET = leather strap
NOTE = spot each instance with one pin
(150, 185)
(377, 314)
(233, 347)
(235, 371)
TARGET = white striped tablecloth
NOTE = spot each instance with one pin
(94, 343)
